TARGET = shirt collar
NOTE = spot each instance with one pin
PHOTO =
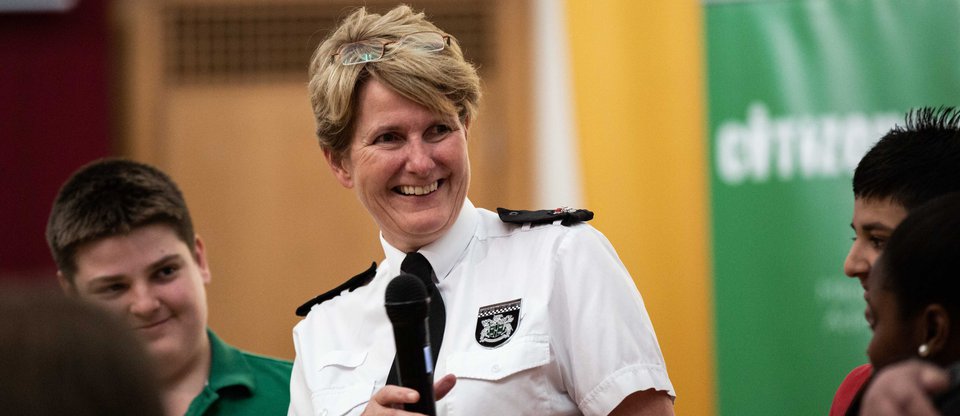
(228, 367)
(446, 250)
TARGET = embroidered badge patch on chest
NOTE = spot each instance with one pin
(497, 323)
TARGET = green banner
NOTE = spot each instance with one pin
(798, 91)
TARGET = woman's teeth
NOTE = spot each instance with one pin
(418, 190)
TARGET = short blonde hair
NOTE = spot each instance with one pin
(441, 80)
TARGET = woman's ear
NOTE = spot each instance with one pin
(935, 322)
(340, 168)
(465, 123)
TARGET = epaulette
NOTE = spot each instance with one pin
(354, 282)
(568, 216)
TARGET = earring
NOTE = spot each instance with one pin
(924, 350)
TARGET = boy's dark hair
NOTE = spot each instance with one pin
(112, 197)
(913, 163)
(919, 261)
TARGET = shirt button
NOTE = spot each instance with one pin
(495, 368)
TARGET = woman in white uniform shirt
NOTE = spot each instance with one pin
(393, 99)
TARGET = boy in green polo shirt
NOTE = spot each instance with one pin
(122, 238)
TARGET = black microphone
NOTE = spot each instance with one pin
(407, 305)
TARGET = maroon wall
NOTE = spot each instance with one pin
(54, 117)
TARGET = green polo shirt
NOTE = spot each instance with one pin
(242, 383)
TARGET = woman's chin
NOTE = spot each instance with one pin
(412, 236)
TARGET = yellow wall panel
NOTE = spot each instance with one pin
(639, 101)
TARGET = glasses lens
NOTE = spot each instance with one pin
(427, 41)
(361, 52)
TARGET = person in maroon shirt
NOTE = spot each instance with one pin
(908, 166)
(914, 294)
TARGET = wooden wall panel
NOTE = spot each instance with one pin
(278, 228)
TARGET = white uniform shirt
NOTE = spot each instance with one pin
(582, 344)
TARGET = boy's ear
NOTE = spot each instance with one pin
(936, 325)
(68, 287)
(200, 255)
(340, 168)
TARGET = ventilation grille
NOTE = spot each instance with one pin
(273, 41)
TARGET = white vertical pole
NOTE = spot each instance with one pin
(557, 162)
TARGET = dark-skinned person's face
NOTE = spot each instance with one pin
(895, 337)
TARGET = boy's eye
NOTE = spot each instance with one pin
(167, 272)
(112, 288)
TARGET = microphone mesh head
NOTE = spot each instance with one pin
(406, 298)
(405, 288)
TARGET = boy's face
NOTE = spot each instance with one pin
(873, 222)
(150, 279)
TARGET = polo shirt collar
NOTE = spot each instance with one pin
(228, 367)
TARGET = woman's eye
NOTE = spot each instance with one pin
(438, 132)
(386, 138)
(442, 129)
(878, 243)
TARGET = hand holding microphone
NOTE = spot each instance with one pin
(388, 399)
(407, 306)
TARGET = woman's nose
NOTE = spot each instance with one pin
(419, 156)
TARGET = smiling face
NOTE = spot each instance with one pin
(873, 222)
(408, 166)
(895, 337)
(152, 280)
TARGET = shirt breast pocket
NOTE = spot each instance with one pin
(495, 364)
(339, 387)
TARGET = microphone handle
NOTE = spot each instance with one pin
(415, 364)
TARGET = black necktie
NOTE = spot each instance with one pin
(417, 265)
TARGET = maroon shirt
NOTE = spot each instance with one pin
(848, 390)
